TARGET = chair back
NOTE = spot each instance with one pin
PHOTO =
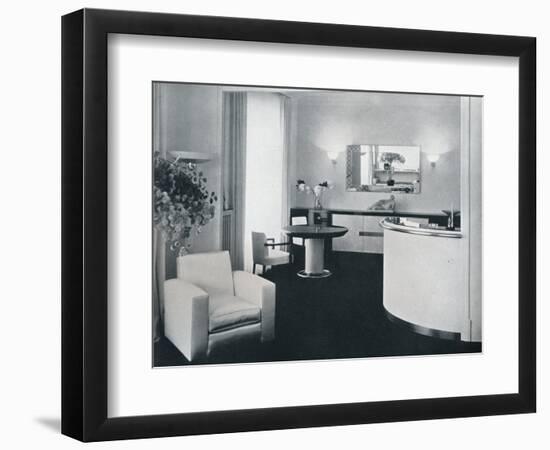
(210, 271)
(298, 220)
(259, 250)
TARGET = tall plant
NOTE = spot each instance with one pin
(181, 201)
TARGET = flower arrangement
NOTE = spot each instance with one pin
(316, 190)
(391, 157)
(181, 201)
(388, 158)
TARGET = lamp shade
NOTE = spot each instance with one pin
(432, 158)
(333, 156)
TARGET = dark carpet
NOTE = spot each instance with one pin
(337, 317)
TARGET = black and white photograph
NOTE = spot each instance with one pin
(275, 225)
(294, 224)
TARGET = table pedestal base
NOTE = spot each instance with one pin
(315, 255)
(325, 273)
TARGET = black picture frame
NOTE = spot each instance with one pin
(84, 224)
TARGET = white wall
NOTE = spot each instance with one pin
(264, 169)
(191, 121)
(30, 390)
(333, 121)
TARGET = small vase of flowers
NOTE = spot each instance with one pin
(316, 190)
(388, 159)
(181, 202)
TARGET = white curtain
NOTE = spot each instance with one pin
(235, 123)
(285, 131)
(266, 193)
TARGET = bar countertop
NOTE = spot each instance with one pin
(390, 224)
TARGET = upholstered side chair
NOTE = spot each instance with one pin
(264, 252)
(209, 304)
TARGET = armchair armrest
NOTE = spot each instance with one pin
(270, 242)
(276, 244)
(186, 317)
(261, 292)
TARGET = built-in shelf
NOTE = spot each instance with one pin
(194, 157)
(398, 171)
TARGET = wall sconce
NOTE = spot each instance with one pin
(333, 156)
(433, 158)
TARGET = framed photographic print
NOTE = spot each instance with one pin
(273, 224)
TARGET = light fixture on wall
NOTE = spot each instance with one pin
(433, 158)
(333, 156)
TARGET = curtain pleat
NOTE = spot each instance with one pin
(285, 139)
(235, 112)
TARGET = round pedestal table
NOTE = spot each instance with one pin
(314, 237)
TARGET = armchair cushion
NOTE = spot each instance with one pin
(228, 311)
(261, 292)
(276, 257)
(209, 271)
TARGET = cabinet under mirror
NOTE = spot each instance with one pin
(383, 168)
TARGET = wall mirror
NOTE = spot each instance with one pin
(383, 168)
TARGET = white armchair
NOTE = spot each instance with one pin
(208, 304)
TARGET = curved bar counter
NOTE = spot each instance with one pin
(436, 231)
(424, 278)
